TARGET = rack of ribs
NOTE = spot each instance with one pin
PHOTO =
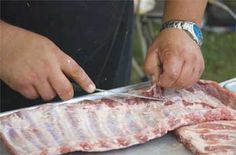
(215, 137)
(113, 123)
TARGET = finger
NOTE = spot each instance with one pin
(61, 85)
(152, 65)
(73, 70)
(186, 76)
(29, 92)
(201, 70)
(44, 89)
(196, 74)
(198, 65)
(195, 78)
(172, 66)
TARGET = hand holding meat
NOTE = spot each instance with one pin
(34, 66)
(174, 60)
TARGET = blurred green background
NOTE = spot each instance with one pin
(219, 51)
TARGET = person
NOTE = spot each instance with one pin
(47, 47)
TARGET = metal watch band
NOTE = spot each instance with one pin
(190, 27)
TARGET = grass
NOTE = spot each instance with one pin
(219, 51)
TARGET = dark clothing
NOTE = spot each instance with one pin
(97, 34)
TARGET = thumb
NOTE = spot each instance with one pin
(152, 65)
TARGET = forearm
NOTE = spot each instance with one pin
(3, 27)
(13, 38)
(5, 35)
(189, 10)
(8, 32)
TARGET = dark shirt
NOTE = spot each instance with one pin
(97, 34)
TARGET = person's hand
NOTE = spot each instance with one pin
(174, 60)
(34, 66)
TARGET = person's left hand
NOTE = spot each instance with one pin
(174, 60)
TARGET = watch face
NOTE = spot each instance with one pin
(197, 32)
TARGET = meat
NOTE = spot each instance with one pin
(216, 137)
(212, 88)
(115, 123)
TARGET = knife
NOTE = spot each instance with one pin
(77, 88)
(130, 95)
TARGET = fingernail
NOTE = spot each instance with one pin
(91, 88)
(153, 78)
(71, 94)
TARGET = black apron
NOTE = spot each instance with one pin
(96, 34)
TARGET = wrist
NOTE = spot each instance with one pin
(198, 22)
(190, 28)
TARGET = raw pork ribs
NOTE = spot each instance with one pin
(113, 123)
(216, 137)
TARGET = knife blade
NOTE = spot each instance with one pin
(130, 95)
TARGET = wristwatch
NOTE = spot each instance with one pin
(191, 28)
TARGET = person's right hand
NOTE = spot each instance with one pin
(34, 66)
